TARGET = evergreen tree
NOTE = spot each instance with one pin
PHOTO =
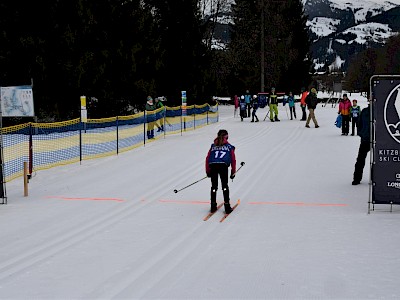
(184, 56)
(286, 53)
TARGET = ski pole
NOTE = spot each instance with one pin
(266, 115)
(241, 165)
(175, 191)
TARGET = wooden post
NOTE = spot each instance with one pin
(25, 179)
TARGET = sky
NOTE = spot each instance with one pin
(113, 228)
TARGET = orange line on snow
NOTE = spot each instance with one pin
(88, 198)
(184, 202)
(300, 203)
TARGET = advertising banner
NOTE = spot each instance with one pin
(385, 170)
(17, 101)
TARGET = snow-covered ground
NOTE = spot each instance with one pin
(113, 228)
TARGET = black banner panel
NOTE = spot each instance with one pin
(385, 169)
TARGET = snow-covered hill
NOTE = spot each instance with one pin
(338, 28)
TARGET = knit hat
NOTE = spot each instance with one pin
(149, 98)
(313, 90)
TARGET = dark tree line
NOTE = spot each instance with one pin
(382, 61)
(116, 52)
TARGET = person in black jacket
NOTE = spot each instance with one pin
(365, 144)
(312, 102)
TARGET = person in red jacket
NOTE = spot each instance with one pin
(303, 104)
(344, 110)
(220, 156)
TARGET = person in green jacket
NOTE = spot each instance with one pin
(159, 104)
(273, 106)
(150, 117)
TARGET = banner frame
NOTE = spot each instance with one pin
(372, 100)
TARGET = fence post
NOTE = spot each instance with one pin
(144, 128)
(194, 117)
(30, 149)
(25, 179)
(117, 136)
(208, 109)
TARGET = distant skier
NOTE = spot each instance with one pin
(247, 98)
(255, 107)
(220, 156)
(242, 106)
(354, 113)
(273, 106)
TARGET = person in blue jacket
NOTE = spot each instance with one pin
(220, 156)
(292, 107)
(247, 99)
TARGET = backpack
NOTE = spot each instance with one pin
(338, 121)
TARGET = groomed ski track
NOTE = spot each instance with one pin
(113, 228)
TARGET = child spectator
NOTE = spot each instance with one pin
(354, 114)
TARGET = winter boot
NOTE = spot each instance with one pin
(159, 129)
(213, 199)
(162, 127)
(228, 208)
(276, 119)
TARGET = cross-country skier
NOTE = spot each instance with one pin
(242, 106)
(273, 106)
(255, 107)
(220, 156)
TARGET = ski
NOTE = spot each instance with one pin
(210, 214)
(233, 208)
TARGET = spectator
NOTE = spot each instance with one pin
(247, 98)
(303, 104)
(312, 101)
(150, 117)
(365, 144)
(344, 110)
(354, 113)
(158, 105)
(292, 106)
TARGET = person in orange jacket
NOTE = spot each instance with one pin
(303, 104)
(344, 110)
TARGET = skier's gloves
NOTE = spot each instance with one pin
(232, 176)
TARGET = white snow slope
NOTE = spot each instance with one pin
(113, 228)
